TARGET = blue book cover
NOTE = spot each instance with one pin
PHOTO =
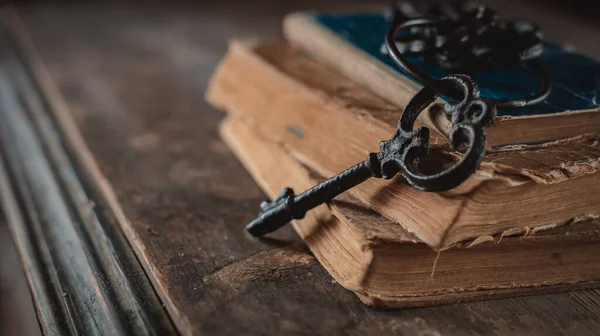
(575, 78)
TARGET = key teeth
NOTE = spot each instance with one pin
(285, 194)
(264, 206)
(274, 214)
(287, 197)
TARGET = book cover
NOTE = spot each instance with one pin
(575, 77)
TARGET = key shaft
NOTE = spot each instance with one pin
(288, 206)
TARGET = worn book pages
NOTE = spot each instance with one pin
(386, 265)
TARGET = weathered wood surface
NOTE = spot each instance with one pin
(134, 80)
(82, 274)
(17, 313)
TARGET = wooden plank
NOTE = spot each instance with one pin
(82, 274)
(17, 312)
(132, 82)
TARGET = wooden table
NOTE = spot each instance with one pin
(151, 239)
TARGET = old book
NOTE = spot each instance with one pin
(386, 265)
(351, 44)
(330, 123)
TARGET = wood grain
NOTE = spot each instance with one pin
(132, 80)
(81, 271)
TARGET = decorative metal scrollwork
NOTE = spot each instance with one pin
(465, 39)
(469, 119)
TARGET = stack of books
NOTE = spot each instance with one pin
(304, 109)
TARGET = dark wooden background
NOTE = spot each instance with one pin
(88, 48)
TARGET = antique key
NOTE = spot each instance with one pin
(400, 154)
(466, 39)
